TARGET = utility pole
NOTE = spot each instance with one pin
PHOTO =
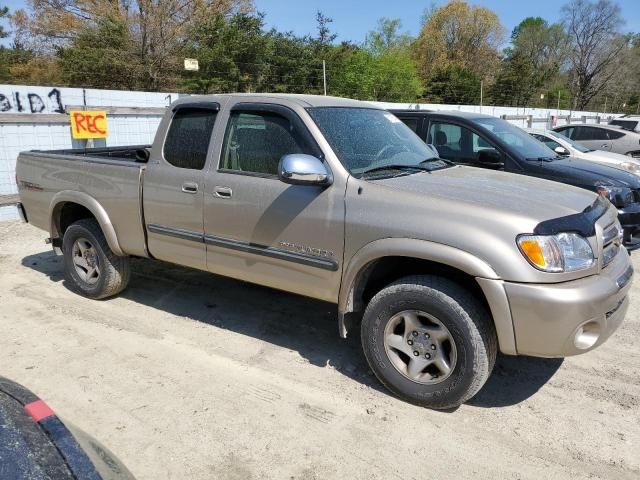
(605, 105)
(324, 76)
(558, 109)
(481, 94)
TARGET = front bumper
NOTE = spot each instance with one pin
(569, 318)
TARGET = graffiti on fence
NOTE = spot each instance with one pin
(30, 102)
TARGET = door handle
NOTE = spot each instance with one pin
(606, 145)
(223, 192)
(190, 187)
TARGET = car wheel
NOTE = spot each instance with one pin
(429, 341)
(91, 268)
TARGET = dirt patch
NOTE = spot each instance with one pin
(190, 375)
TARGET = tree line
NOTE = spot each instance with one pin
(584, 62)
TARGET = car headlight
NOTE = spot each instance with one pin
(619, 196)
(564, 252)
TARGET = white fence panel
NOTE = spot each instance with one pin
(136, 129)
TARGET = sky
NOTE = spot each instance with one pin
(354, 18)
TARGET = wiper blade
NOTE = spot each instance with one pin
(395, 167)
(544, 159)
(436, 159)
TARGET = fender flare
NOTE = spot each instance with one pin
(94, 207)
(435, 252)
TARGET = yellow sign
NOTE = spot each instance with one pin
(88, 124)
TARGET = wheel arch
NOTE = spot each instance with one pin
(81, 203)
(384, 261)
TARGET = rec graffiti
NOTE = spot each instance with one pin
(29, 102)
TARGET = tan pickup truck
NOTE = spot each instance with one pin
(439, 265)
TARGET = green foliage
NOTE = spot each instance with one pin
(527, 23)
(387, 37)
(453, 84)
(515, 83)
(9, 57)
(4, 13)
(100, 58)
(233, 55)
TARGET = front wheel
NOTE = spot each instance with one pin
(429, 341)
(90, 267)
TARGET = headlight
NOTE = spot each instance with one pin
(619, 196)
(565, 252)
(631, 167)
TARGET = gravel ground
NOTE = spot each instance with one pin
(190, 375)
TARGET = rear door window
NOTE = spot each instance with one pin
(589, 133)
(614, 135)
(188, 137)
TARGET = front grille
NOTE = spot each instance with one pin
(612, 238)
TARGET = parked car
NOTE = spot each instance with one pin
(37, 444)
(610, 138)
(628, 122)
(340, 201)
(565, 147)
(483, 141)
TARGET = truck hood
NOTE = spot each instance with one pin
(495, 190)
(586, 173)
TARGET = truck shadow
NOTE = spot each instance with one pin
(297, 323)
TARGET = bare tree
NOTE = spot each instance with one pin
(594, 32)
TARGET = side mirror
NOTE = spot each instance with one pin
(301, 169)
(561, 151)
(490, 158)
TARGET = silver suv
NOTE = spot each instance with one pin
(628, 122)
(610, 138)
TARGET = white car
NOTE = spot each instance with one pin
(566, 147)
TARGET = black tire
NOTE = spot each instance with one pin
(469, 325)
(114, 270)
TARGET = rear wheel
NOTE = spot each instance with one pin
(429, 341)
(91, 268)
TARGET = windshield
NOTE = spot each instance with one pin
(367, 139)
(520, 140)
(578, 146)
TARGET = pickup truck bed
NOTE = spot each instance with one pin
(113, 175)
